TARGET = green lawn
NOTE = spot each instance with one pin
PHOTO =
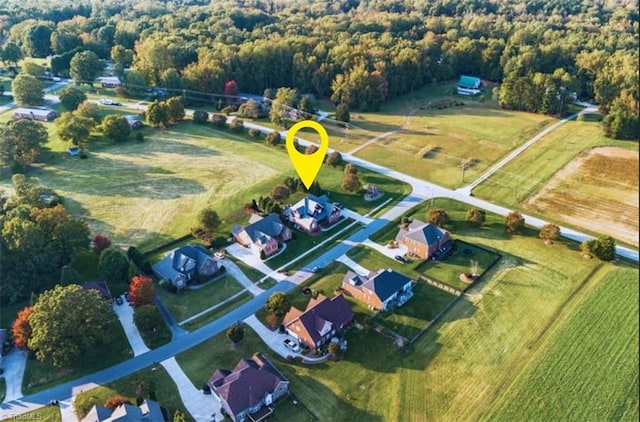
(218, 312)
(3, 389)
(408, 320)
(190, 302)
(45, 414)
(449, 271)
(39, 376)
(373, 260)
(165, 390)
(587, 367)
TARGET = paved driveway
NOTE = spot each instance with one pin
(125, 315)
(400, 250)
(13, 365)
(273, 339)
(248, 257)
(353, 265)
(234, 271)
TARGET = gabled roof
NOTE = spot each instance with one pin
(249, 382)
(383, 284)
(421, 232)
(319, 312)
(311, 206)
(469, 81)
(148, 411)
(185, 260)
(262, 229)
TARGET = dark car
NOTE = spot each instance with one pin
(400, 259)
(119, 300)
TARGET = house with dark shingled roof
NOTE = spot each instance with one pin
(263, 234)
(148, 411)
(182, 265)
(423, 240)
(249, 391)
(381, 291)
(323, 319)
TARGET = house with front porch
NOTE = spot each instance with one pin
(263, 234)
(181, 266)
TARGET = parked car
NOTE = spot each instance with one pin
(290, 344)
(218, 255)
(400, 259)
(105, 101)
(119, 300)
(315, 269)
(338, 205)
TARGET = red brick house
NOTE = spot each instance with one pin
(381, 291)
(263, 234)
(249, 391)
(323, 319)
(423, 240)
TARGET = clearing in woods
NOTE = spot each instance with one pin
(598, 190)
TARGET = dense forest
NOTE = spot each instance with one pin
(361, 53)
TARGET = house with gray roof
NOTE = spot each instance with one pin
(183, 265)
(263, 234)
(311, 211)
(381, 291)
(424, 240)
(148, 411)
(250, 390)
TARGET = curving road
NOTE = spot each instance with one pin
(422, 191)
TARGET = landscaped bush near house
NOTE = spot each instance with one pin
(254, 133)
(200, 116)
(273, 138)
(236, 125)
(219, 120)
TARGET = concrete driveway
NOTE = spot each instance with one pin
(359, 269)
(125, 315)
(273, 339)
(400, 250)
(247, 256)
(234, 271)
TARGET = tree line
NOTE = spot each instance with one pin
(361, 53)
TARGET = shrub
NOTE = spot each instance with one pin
(514, 222)
(350, 168)
(254, 133)
(310, 149)
(236, 125)
(115, 401)
(147, 318)
(438, 216)
(229, 109)
(476, 216)
(334, 159)
(235, 333)
(273, 138)
(280, 192)
(219, 120)
(200, 117)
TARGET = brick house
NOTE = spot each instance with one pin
(381, 291)
(263, 234)
(249, 391)
(323, 319)
(423, 240)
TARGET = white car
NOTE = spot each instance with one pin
(105, 101)
(218, 255)
(290, 344)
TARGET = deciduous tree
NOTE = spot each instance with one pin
(75, 128)
(22, 143)
(351, 182)
(27, 90)
(141, 291)
(11, 53)
(116, 127)
(476, 216)
(72, 97)
(175, 109)
(85, 67)
(286, 98)
(37, 41)
(90, 110)
(438, 216)
(21, 328)
(158, 113)
(209, 219)
(280, 192)
(514, 222)
(549, 232)
(273, 138)
(115, 401)
(278, 304)
(342, 113)
(235, 333)
(68, 323)
(147, 318)
(334, 159)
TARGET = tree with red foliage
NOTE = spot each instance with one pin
(231, 88)
(141, 291)
(21, 328)
(100, 243)
(115, 401)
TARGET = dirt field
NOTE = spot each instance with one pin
(597, 191)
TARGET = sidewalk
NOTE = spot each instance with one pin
(13, 365)
(202, 407)
(355, 216)
(232, 269)
(125, 315)
(353, 265)
(273, 339)
(248, 257)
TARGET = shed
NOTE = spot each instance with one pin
(469, 85)
(35, 113)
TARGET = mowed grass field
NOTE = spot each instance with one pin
(146, 193)
(569, 178)
(588, 366)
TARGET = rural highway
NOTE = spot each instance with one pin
(421, 191)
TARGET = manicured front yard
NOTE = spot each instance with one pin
(154, 378)
(39, 376)
(218, 312)
(408, 320)
(189, 302)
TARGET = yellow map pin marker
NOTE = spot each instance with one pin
(307, 166)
